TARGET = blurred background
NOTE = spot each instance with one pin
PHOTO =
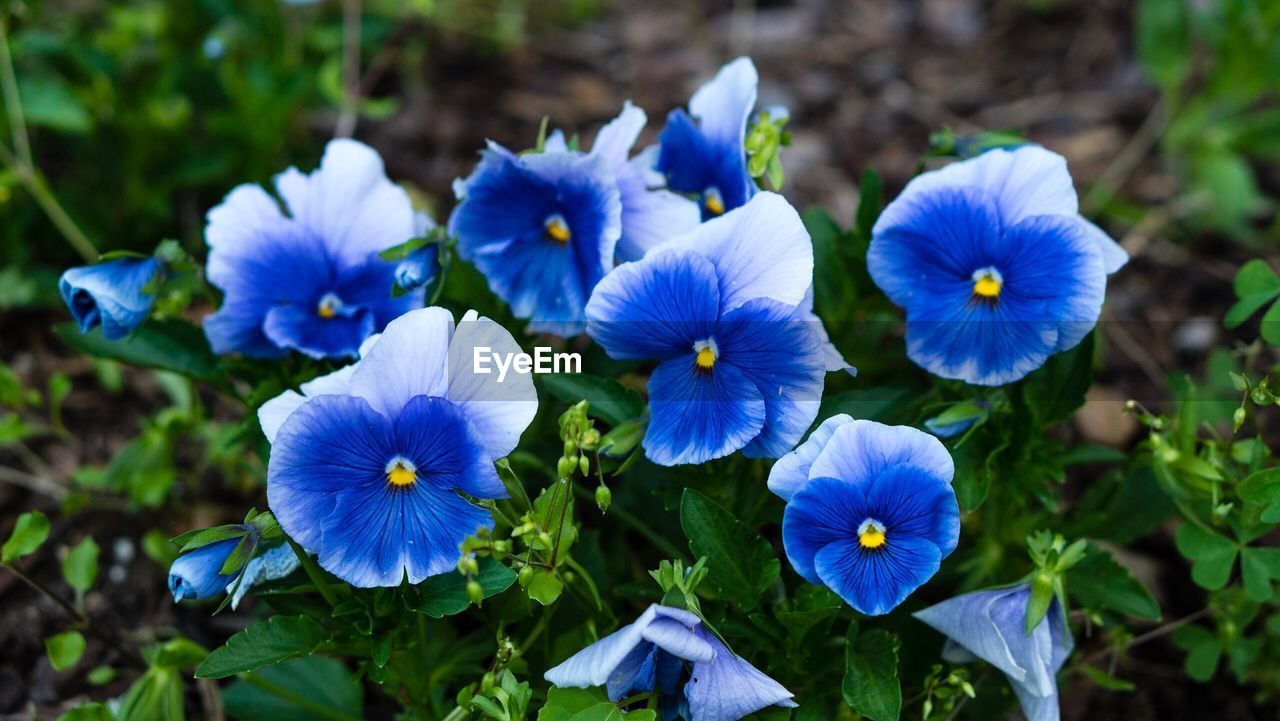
(139, 116)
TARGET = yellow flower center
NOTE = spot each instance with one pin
(713, 201)
(708, 352)
(871, 534)
(987, 283)
(328, 306)
(558, 229)
(401, 472)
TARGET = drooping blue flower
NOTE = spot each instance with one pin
(651, 215)
(663, 647)
(421, 266)
(542, 228)
(994, 264)
(639, 657)
(308, 278)
(990, 625)
(111, 294)
(702, 153)
(195, 575)
(368, 463)
(870, 510)
(740, 367)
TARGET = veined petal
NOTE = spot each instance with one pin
(273, 413)
(858, 451)
(437, 437)
(596, 664)
(650, 217)
(349, 203)
(728, 688)
(824, 512)
(968, 620)
(1113, 256)
(760, 250)
(614, 141)
(300, 328)
(112, 294)
(499, 411)
(724, 105)
(657, 307)
(791, 471)
(697, 416)
(410, 359)
(876, 581)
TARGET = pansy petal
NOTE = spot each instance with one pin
(723, 105)
(650, 217)
(113, 294)
(859, 450)
(410, 359)
(728, 688)
(300, 328)
(655, 308)
(823, 512)
(675, 637)
(875, 581)
(791, 471)
(499, 411)
(349, 203)
(1037, 708)
(1114, 257)
(614, 141)
(760, 250)
(325, 446)
(273, 413)
(911, 501)
(593, 665)
(779, 351)
(238, 223)
(967, 620)
(698, 416)
(436, 436)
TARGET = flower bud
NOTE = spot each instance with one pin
(584, 465)
(525, 576)
(475, 592)
(604, 497)
(468, 565)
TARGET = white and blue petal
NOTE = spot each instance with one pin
(410, 359)
(723, 106)
(112, 294)
(598, 664)
(791, 471)
(728, 688)
(857, 451)
(499, 411)
(696, 416)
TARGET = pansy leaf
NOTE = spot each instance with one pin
(575, 704)
(171, 345)
(64, 649)
(1212, 555)
(263, 644)
(1098, 581)
(1106, 680)
(446, 594)
(545, 587)
(1056, 390)
(29, 533)
(871, 685)
(80, 566)
(303, 689)
(739, 562)
(607, 398)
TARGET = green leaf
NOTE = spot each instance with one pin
(607, 398)
(176, 653)
(47, 101)
(870, 203)
(1042, 593)
(1213, 555)
(1269, 328)
(1203, 651)
(871, 685)
(64, 649)
(1244, 308)
(545, 587)
(1098, 581)
(1054, 391)
(29, 533)
(739, 562)
(1106, 680)
(1256, 278)
(80, 567)
(446, 594)
(302, 689)
(575, 704)
(1261, 488)
(263, 644)
(171, 345)
(155, 696)
(1164, 42)
(88, 712)
(1256, 574)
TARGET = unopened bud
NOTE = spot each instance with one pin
(604, 497)
(487, 681)
(525, 576)
(475, 592)
(584, 465)
(468, 565)
(564, 467)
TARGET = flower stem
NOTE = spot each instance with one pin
(313, 572)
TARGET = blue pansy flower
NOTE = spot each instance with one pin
(369, 465)
(740, 367)
(303, 274)
(651, 215)
(870, 510)
(702, 152)
(542, 228)
(664, 647)
(990, 625)
(111, 294)
(994, 264)
(195, 575)
(421, 266)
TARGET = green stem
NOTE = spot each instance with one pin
(297, 699)
(457, 714)
(12, 99)
(313, 572)
(44, 590)
(639, 526)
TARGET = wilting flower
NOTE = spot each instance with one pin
(990, 625)
(112, 294)
(650, 214)
(309, 278)
(368, 464)
(870, 510)
(740, 368)
(196, 575)
(542, 228)
(992, 261)
(663, 647)
(703, 152)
